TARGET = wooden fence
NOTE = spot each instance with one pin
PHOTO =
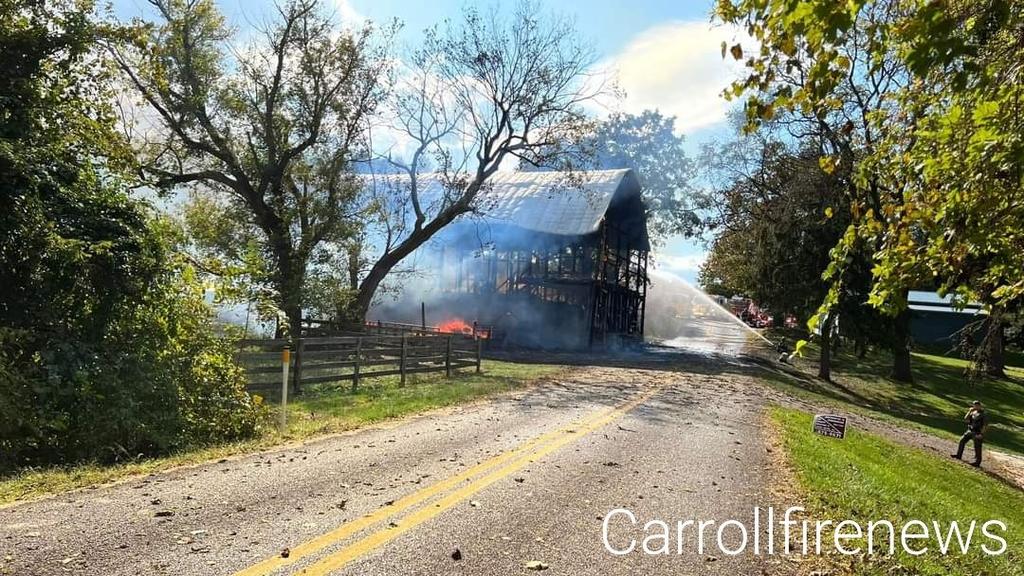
(319, 328)
(354, 358)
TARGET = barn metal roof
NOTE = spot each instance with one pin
(547, 202)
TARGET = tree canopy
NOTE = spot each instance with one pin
(264, 136)
(934, 149)
(105, 339)
(648, 143)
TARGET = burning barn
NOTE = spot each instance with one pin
(544, 263)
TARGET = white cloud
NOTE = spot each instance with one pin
(686, 263)
(348, 14)
(678, 69)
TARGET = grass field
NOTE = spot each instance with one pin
(866, 478)
(936, 402)
(332, 409)
(320, 411)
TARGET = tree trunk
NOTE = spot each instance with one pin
(901, 348)
(291, 279)
(293, 317)
(994, 356)
(861, 346)
(358, 308)
(290, 283)
(354, 256)
(825, 359)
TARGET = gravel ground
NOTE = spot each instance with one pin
(690, 447)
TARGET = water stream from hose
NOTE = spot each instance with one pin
(685, 316)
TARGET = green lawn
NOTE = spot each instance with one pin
(936, 402)
(319, 411)
(866, 478)
(331, 408)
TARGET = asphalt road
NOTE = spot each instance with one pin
(525, 477)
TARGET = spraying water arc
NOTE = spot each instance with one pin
(684, 316)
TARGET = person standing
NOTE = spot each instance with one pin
(977, 424)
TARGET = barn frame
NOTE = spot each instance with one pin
(551, 264)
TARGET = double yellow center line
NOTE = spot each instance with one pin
(492, 470)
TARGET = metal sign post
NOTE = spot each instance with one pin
(286, 359)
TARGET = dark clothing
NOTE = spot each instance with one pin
(976, 422)
(963, 444)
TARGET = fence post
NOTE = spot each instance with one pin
(401, 362)
(285, 361)
(479, 348)
(448, 358)
(297, 377)
(355, 368)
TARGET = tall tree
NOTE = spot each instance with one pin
(956, 146)
(828, 71)
(484, 90)
(106, 345)
(943, 173)
(269, 129)
(776, 215)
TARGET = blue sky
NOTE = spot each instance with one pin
(666, 55)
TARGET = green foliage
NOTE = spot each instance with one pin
(777, 214)
(798, 348)
(727, 271)
(210, 404)
(648, 144)
(920, 102)
(263, 137)
(146, 374)
(231, 253)
(937, 146)
(962, 222)
(105, 339)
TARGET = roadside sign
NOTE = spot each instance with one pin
(830, 425)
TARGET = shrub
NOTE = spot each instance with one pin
(107, 348)
(154, 379)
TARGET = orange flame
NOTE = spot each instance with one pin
(455, 326)
(460, 326)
